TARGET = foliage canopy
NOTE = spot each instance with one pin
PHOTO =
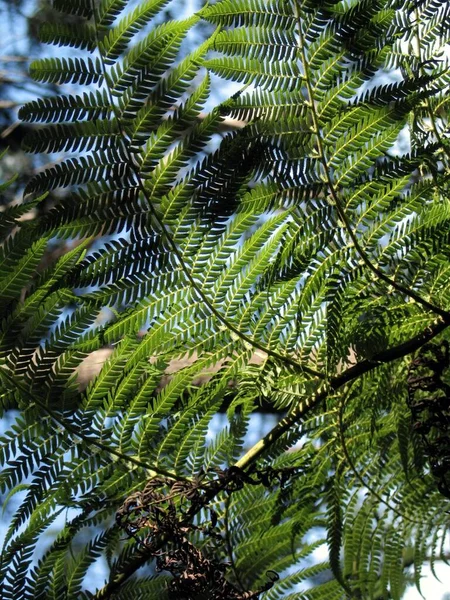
(311, 234)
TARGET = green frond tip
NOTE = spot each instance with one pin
(117, 39)
(108, 11)
(53, 109)
(82, 37)
(67, 70)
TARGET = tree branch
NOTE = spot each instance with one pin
(336, 198)
(302, 409)
(196, 286)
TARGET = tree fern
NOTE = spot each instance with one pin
(297, 262)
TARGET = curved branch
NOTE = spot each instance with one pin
(337, 200)
(164, 229)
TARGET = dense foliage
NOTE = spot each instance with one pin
(290, 244)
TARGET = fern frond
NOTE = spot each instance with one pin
(291, 262)
(83, 36)
(80, 8)
(93, 105)
(67, 70)
(117, 39)
(273, 75)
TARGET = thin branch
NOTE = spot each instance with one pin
(62, 422)
(302, 409)
(335, 196)
(195, 285)
(390, 354)
(6, 132)
(5, 104)
(226, 124)
(14, 58)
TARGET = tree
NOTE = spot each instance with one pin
(299, 262)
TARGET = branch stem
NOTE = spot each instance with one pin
(303, 408)
(187, 272)
(335, 196)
